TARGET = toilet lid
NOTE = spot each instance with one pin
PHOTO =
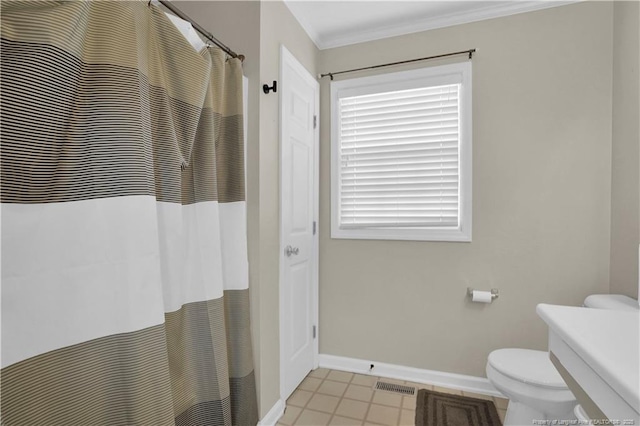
(527, 366)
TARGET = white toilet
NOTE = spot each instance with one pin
(535, 389)
(533, 385)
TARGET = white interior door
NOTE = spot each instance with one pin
(299, 93)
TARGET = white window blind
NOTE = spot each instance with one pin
(399, 158)
(401, 155)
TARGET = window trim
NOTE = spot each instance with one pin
(400, 81)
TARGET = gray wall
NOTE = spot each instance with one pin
(625, 156)
(541, 199)
(278, 26)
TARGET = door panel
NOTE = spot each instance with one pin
(298, 266)
(301, 154)
(300, 323)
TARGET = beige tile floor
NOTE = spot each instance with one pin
(331, 397)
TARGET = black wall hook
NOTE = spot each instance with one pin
(266, 89)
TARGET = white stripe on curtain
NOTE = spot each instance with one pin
(80, 257)
(71, 272)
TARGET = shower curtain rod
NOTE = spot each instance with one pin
(331, 74)
(180, 14)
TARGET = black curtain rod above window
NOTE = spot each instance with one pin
(470, 52)
(180, 14)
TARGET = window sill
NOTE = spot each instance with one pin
(445, 235)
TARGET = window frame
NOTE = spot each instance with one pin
(422, 77)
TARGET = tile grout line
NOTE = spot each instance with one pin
(304, 407)
(326, 378)
(349, 383)
(301, 410)
(366, 413)
(339, 400)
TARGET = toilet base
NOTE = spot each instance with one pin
(519, 414)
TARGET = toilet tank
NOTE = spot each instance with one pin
(611, 301)
(614, 301)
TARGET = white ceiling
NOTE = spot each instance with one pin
(340, 23)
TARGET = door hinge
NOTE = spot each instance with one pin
(315, 121)
(314, 227)
(314, 331)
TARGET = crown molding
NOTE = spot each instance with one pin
(305, 24)
(421, 23)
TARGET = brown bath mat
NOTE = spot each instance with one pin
(442, 409)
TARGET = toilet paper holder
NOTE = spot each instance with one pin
(494, 293)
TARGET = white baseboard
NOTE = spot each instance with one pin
(399, 372)
(273, 415)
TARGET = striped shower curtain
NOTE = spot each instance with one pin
(124, 263)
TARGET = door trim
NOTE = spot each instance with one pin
(287, 58)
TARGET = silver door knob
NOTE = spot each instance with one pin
(291, 250)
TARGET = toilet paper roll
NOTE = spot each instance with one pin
(481, 296)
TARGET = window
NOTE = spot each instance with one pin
(401, 155)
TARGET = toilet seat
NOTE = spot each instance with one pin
(544, 399)
(534, 388)
(527, 366)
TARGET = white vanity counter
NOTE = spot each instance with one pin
(599, 348)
